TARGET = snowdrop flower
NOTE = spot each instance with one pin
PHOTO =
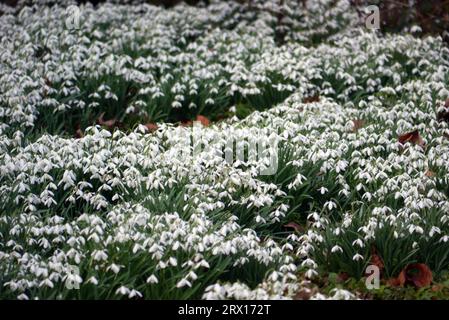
(336, 248)
(357, 257)
(183, 283)
(358, 242)
(92, 280)
(23, 297)
(114, 268)
(152, 279)
(330, 205)
(122, 291)
(323, 190)
(87, 198)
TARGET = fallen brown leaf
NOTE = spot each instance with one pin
(186, 123)
(203, 120)
(437, 287)
(110, 124)
(47, 82)
(419, 274)
(416, 274)
(412, 137)
(430, 173)
(79, 134)
(376, 260)
(444, 115)
(315, 98)
(151, 127)
(397, 282)
(358, 124)
(342, 276)
(304, 294)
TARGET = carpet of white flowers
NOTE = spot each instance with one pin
(142, 218)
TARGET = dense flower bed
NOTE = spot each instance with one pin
(152, 215)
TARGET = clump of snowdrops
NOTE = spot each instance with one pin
(145, 215)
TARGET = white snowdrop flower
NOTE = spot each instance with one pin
(114, 268)
(274, 276)
(74, 278)
(358, 242)
(68, 179)
(330, 205)
(415, 29)
(415, 229)
(92, 280)
(152, 279)
(95, 237)
(100, 255)
(46, 283)
(136, 247)
(192, 275)
(104, 173)
(173, 261)
(341, 166)
(318, 296)
(122, 291)
(176, 104)
(134, 293)
(336, 248)
(310, 274)
(154, 248)
(12, 285)
(368, 196)
(434, 230)
(357, 257)
(204, 264)
(309, 263)
(183, 283)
